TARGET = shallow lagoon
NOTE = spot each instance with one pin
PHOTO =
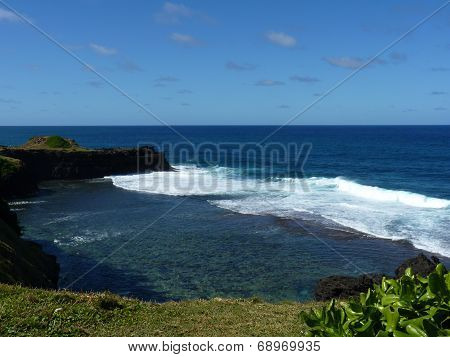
(196, 251)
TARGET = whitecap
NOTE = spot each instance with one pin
(380, 212)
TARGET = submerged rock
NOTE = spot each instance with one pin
(344, 286)
(347, 286)
(420, 265)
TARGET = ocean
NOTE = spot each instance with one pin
(243, 218)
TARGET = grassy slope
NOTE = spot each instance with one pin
(51, 143)
(35, 312)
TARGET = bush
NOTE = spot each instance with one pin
(109, 302)
(57, 142)
(409, 306)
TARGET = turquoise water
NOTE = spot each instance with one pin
(239, 226)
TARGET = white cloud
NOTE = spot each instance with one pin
(102, 50)
(167, 79)
(357, 62)
(239, 67)
(184, 39)
(9, 101)
(398, 57)
(95, 84)
(345, 62)
(281, 39)
(305, 79)
(129, 66)
(440, 69)
(268, 83)
(9, 16)
(172, 13)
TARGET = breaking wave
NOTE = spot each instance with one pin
(380, 212)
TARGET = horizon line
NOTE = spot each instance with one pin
(217, 125)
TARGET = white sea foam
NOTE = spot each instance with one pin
(85, 236)
(383, 195)
(373, 210)
(23, 203)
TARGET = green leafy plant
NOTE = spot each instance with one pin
(409, 306)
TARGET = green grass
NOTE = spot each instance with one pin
(53, 142)
(35, 312)
(57, 142)
(8, 166)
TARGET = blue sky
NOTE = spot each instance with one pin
(224, 62)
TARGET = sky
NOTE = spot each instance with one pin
(254, 62)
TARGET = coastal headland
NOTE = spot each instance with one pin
(53, 158)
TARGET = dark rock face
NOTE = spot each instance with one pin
(347, 286)
(420, 265)
(24, 262)
(18, 184)
(344, 286)
(9, 217)
(87, 164)
(21, 261)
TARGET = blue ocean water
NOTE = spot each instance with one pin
(363, 200)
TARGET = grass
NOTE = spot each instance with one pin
(53, 142)
(8, 166)
(36, 312)
(57, 142)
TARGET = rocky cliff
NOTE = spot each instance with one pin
(35, 162)
(23, 262)
(53, 158)
(86, 164)
(15, 180)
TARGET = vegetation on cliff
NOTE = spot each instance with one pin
(8, 167)
(53, 142)
(14, 178)
(57, 158)
(35, 312)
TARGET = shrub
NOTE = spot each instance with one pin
(409, 306)
(109, 302)
(57, 142)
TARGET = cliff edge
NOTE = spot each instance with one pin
(55, 158)
(21, 261)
